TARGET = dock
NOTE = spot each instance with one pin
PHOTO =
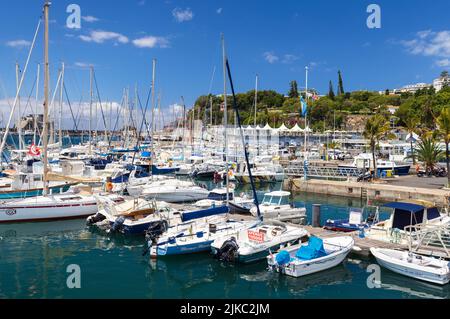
(376, 191)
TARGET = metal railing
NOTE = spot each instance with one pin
(323, 172)
(433, 240)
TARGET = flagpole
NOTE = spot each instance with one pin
(306, 126)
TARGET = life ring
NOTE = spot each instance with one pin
(109, 186)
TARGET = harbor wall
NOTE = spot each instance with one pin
(367, 190)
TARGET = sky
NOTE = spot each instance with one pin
(274, 39)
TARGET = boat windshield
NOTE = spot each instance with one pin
(276, 200)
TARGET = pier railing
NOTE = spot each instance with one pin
(432, 240)
(318, 172)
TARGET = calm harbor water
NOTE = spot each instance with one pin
(34, 260)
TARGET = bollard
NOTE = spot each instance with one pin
(316, 215)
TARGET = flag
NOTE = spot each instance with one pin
(304, 107)
(34, 150)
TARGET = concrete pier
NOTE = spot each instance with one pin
(378, 191)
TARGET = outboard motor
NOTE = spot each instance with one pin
(94, 219)
(153, 233)
(118, 224)
(228, 251)
(155, 230)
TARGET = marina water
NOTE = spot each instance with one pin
(34, 259)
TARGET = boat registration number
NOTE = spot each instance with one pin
(255, 236)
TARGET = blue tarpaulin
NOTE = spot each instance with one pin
(185, 217)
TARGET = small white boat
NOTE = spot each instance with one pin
(412, 265)
(254, 244)
(275, 205)
(317, 255)
(194, 236)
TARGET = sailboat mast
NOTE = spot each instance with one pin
(37, 98)
(19, 114)
(90, 108)
(46, 94)
(153, 112)
(225, 108)
(61, 107)
(256, 98)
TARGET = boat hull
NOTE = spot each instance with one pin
(16, 194)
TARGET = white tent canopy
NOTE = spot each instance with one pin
(296, 129)
(307, 129)
(283, 128)
(267, 127)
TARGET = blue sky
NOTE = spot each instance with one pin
(275, 39)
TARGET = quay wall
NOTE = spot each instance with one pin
(377, 191)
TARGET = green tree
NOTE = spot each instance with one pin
(444, 74)
(331, 94)
(377, 127)
(341, 84)
(293, 92)
(411, 125)
(444, 130)
(428, 152)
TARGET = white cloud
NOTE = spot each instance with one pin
(90, 19)
(83, 65)
(430, 43)
(99, 36)
(289, 58)
(151, 42)
(443, 63)
(270, 57)
(182, 15)
(80, 111)
(18, 43)
(219, 11)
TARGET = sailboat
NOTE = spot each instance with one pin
(198, 235)
(48, 206)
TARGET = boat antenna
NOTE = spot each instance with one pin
(238, 117)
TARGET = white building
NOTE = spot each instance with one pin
(413, 88)
(439, 83)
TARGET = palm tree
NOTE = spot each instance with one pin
(377, 127)
(411, 125)
(428, 152)
(443, 122)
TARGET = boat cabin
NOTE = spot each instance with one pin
(278, 198)
(411, 213)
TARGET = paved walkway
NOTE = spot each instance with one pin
(421, 182)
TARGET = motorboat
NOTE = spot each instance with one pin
(255, 244)
(312, 257)
(218, 197)
(365, 161)
(419, 267)
(276, 205)
(406, 216)
(356, 220)
(173, 191)
(194, 235)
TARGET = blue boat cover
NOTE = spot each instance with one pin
(313, 250)
(408, 214)
(185, 217)
(283, 258)
(409, 207)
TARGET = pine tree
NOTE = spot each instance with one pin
(341, 84)
(331, 94)
(293, 92)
